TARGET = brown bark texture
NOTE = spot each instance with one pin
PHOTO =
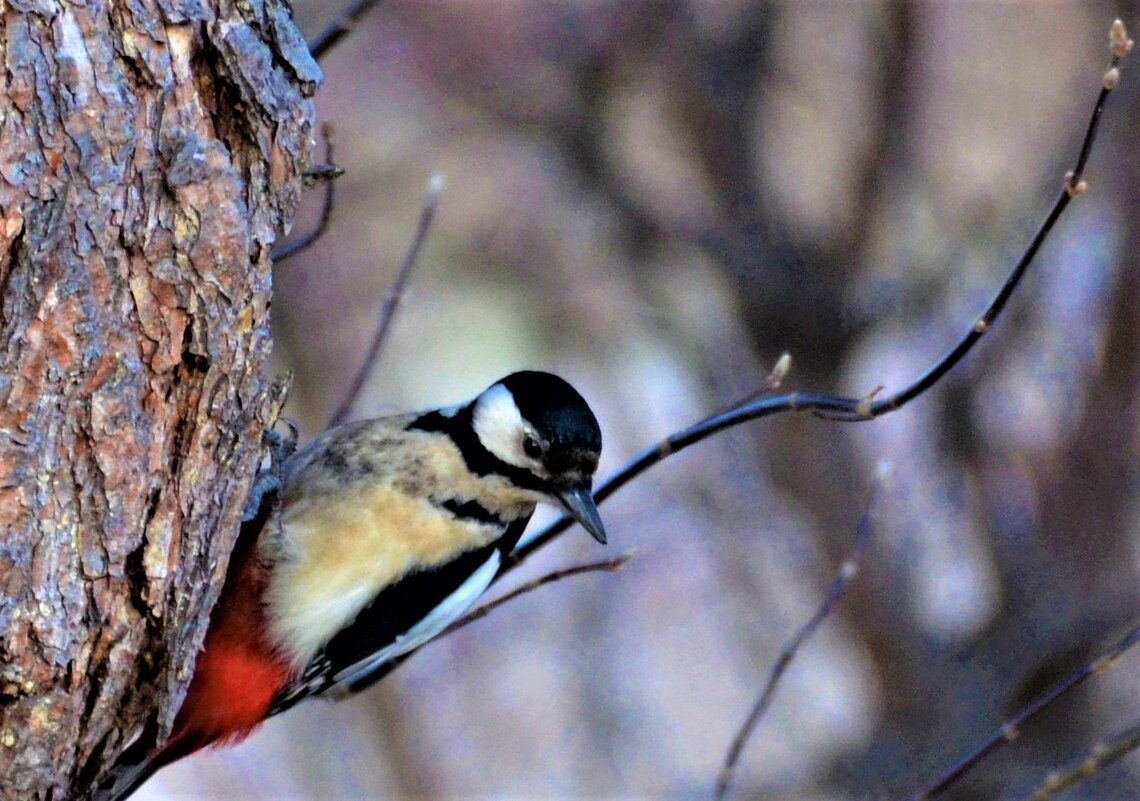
(150, 153)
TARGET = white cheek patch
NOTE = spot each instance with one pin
(500, 426)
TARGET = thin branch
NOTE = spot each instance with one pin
(1094, 760)
(608, 566)
(1072, 186)
(330, 37)
(392, 299)
(328, 173)
(847, 572)
(1008, 731)
(848, 409)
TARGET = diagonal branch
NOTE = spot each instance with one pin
(1009, 730)
(847, 572)
(847, 409)
(1093, 761)
(391, 300)
(343, 25)
(608, 566)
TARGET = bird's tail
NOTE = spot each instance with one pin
(136, 765)
(123, 780)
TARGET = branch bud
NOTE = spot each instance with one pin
(1118, 42)
(780, 370)
(1073, 186)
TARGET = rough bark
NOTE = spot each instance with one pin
(150, 153)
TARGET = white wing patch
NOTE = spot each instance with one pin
(447, 612)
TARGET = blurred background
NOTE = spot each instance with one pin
(656, 199)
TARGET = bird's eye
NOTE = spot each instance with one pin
(531, 447)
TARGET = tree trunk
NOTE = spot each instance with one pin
(150, 152)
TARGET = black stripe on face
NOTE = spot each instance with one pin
(480, 461)
(474, 511)
(432, 421)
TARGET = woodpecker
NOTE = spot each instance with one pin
(388, 530)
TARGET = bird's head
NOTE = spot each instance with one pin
(539, 424)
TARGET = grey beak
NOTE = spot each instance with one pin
(580, 503)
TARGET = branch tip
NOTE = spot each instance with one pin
(1118, 42)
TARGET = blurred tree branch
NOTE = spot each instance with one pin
(1009, 730)
(872, 405)
(391, 301)
(341, 27)
(1100, 756)
(848, 569)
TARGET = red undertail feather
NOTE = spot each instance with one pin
(237, 674)
(236, 677)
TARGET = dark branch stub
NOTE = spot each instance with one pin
(327, 172)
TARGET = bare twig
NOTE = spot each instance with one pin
(847, 571)
(1009, 730)
(392, 299)
(608, 565)
(330, 37)
(328, 173)
(1096, 759)
(871, 406)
